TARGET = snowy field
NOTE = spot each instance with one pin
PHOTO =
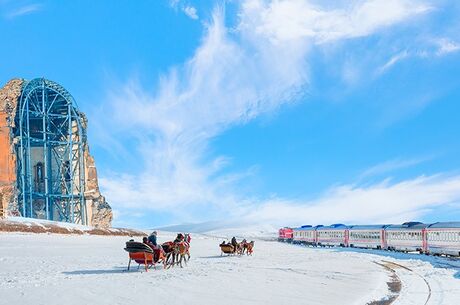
(75, 269)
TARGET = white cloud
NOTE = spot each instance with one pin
(187, 9)
(230, 79)
(190, 11)
(379, 203)
(220, 86)
(297, 19)
(446, 46)
(24, 10)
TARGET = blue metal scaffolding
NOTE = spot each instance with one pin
(50, 153)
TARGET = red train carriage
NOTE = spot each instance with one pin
(285, 234)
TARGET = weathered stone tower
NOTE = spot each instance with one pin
(46, 170)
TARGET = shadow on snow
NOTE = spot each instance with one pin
(115, 270)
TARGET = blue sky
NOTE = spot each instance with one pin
(253, 111)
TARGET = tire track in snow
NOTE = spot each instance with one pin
(392, 266)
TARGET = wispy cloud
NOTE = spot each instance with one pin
(392, 61)
(392, 165)
(287, 20)
(430, 49)
(446, 46)
(186, 8)
(232, 78)
(24, 10)
(190, 11)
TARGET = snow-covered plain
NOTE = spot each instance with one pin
(81, 269)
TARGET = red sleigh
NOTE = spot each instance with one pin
(143, 254)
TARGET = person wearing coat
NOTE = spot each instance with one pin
(153, 238)
(234, 244)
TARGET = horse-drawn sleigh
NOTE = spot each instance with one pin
(237, 248)
(168, 254)
(145, 255)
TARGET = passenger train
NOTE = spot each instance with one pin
(440, 238)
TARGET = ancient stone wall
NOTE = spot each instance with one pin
(9, 96)
(99, 212)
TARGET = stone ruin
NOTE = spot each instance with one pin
(97, 213)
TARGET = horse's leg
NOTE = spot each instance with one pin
(171, 264)
(170, 260)
(177, 258)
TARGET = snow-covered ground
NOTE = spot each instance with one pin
(81, 269)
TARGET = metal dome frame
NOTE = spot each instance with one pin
(48, 118)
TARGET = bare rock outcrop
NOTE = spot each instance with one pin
(99, 211)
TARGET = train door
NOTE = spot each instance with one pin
(425, 241)
(383, 241)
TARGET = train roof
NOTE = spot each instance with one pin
(367, 227)
(307, 228)
(450, 224)
(413, 225)
(334, 227)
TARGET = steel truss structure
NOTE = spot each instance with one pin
(50, 158)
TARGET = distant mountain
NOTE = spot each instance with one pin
(226, 229)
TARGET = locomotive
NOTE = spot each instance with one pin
(440, 238)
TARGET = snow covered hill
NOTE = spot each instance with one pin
(83, 269)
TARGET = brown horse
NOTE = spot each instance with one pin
(169, 249)
(250, 247)
(244, 246)
(180, 250)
